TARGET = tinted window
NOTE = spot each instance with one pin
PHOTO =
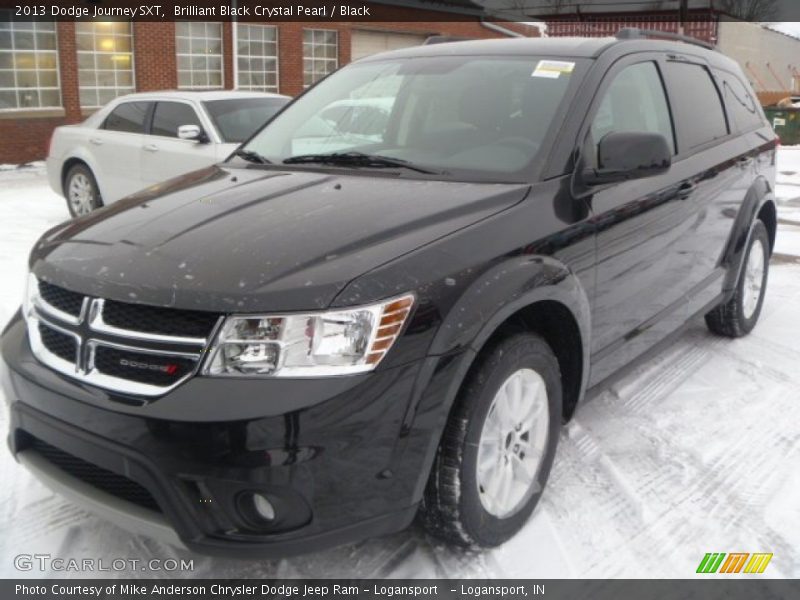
(238, 119)
(698, 106)
(128, 117)
(742, 107)
(635, 101)
(171, 115)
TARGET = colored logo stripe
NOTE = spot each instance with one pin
(758, 562)
(711, 562)
(735, 561)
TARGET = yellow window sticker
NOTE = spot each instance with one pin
(552, 69)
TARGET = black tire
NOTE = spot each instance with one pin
(93, 201)
(452, 509)
(730, 319)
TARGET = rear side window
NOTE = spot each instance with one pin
(634, 102)
(128, 117)
(698, 106)
(743, 109)
(171, 115)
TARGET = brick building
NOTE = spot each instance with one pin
(53, 73)
(703, 25)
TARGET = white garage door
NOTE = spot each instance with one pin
(372, 42)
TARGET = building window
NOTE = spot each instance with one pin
(28, 64)
(105, 61)
(199, 46)
(257, 57)
(320, 54)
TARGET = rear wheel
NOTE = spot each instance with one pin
(739, 315)
(81, 191)
(498, 446)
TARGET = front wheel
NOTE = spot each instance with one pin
(739, 315)
(81, 191)
(498, 446)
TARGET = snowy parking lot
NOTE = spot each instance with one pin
(697, 450)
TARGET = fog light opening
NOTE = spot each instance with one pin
(263, 507)
(262, 511)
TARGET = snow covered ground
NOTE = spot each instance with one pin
(696, 451)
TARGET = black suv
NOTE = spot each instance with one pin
(389, 300)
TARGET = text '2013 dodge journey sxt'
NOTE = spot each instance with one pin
(387, 302)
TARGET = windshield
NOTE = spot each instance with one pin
(238, 118)
(459, 116)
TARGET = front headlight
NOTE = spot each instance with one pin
(322, 344)
(31, 293)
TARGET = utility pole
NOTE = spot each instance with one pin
(683, 16)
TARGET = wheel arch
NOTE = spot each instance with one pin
(557, 325)
(81, 156)
(768, 214)
(758, 204)
(535, 294)
(67, 166)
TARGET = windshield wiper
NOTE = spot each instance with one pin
(250, 156)
(358, 159)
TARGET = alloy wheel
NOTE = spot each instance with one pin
(81, 194)
(753, 279)
(512, 443)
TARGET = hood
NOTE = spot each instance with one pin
(249, 239)
(225, 149)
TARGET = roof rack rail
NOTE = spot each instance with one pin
(635, 33)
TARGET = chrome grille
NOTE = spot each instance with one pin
(61, 344)
(127, 348)
(64, 300)
(157, 320)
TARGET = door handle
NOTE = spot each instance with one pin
(745, 161)
(151, 148)
(96, 141)
(686, 190)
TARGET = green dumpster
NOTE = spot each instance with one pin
(786, 123)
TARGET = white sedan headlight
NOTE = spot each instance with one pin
(338, 342)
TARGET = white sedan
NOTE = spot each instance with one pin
(142, 139)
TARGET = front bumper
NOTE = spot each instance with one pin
(127, 515)
(342, 466)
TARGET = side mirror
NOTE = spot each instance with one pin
(192, 132)
(631, 155)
